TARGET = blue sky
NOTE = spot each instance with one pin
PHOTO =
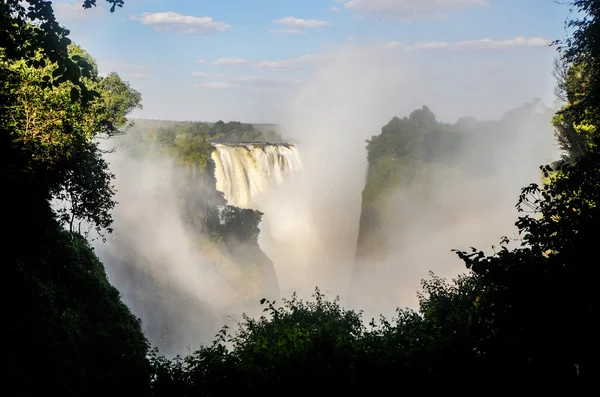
(246, 59)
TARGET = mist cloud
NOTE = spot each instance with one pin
(310, 225)
(170, 276)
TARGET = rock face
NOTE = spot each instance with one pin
(183, 260)
(370, 246)
(432, 187)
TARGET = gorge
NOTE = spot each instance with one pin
(197, 243)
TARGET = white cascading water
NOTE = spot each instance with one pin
(244, 171)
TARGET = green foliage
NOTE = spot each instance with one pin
(308, 344)
(185, 139)
(30, 27)
(192, 149)
(117, 100)
(573, 127)
(69, 333)
(294, 346)
(240, 132)
(113, 4)
(578, 73)
(239, 225)
(86, 190)
(48, 137)
(407, 149)
(582, 50)
(403, 145)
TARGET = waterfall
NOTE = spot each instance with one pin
(244, 171)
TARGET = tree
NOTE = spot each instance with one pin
(578, 82)
(583, 50)
(239, 225)
(49, 137)
(29, 27)
(573, 129)
(69, 332)
(526, 313)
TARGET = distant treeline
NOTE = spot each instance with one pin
(234, 131)
(189, 142)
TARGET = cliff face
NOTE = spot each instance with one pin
(370, 246)
(396, 158)
(230, 233)
(234, 231)
(181, 257)
(427, 179)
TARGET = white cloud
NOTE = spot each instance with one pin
(411, 8)
(292, 63)
(216, 84)
(135, 72)
(301, 62)
(292, 22)
(263, 81)
(130, 66)
(138, 76)
(174, 22)
(249, 82)
(201, 61)
(127, 71)
(199, 74)
(309, 60)
(290, 31)
(334, 9)
(481, 44)
(231, 61)
(73, 11)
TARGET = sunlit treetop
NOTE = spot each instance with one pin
(29, 26)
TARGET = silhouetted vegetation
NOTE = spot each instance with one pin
(522, 316)
(69, 332)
